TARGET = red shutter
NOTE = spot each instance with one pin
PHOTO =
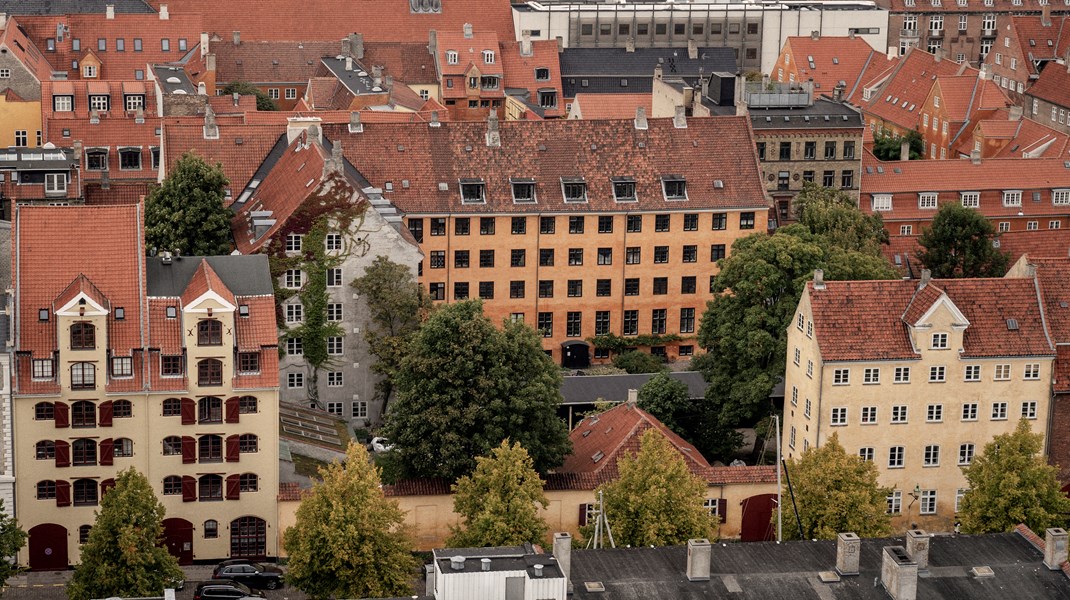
(232, 410)
(232, 448)
(107, 451)
(105, 413)
(63, 415)
(63, 493)
(189, 411)
(189, 450)
(63, 454)
(583, 515)
(189, 488)
(233, 487)
(722, 508)
(105, 486)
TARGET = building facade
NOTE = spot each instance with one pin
(167, 365)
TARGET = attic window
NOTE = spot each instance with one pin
(171, 312)
(574, 189)
(597, 456)
(624, 189)
(1012, 324)
(243, 310)
(1012, 198)
(473, 191)
(120, 313)
(523, 190)
(674, 187)
(451, 57)
(488, 57)
(42, 314)
(542, 74)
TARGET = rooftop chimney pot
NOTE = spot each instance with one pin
(848, 548)
(815, 35)
(918, 548)
(563, 552)
(926, 275)
(679, 118)
(698, 559)
(457, 563)
(633, 398)
(484, 564)
(899, 574)
(164, 15)
(109, 11)
(640, 118)
(819, 279)
(629, 44)
(692, 49)
(237, 38)
(355, 126)
(538, 570)
(975, 157)
(494, 137)
(236, 98)
(204, 44)
(904, 149)
(526, 48)
(1055, 541)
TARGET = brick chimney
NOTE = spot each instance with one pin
(633, 398)
(3, 21)
(848, 549)
(355, 126)
(975, 157)
(1045, 14)
(899, 574)
(209, 63)
(434, 120)
(926, 275)
(629, 45)
(77, 155)
(1055, 548)
(815, 35)
(494, 137)
(698, 560)
(356, 45)
(211, 130)
(204, 44)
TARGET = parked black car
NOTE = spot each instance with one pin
(223, 589)
(252, 574)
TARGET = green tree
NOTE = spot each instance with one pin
(1010, 482)
(668, 400)
(744, 328)
(244, 88)
(959, 244)
(349, 540)
(887, 146)
(186, 214)
(836, 491)
(634, 361)
(465, 385)
(499, 502)
(656, 501)
(398, 305)
(124, 555)
(12, 539)
(835, 214)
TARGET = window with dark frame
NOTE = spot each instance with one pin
(546, 288)
(574, 190)
(635, 223)
(171, 365)
(83, 336)
(523, 191)
(746, 220)
(688, 284)
(486, 259)
(516, 289)
(83, 376)
(209, 333)
(546, 324)
(605, 224)
(575, 257)
(575, 288)
(603, 287)
(85, 492)
(209, 488)
(661, 254)
(624, 189)
(247, 405)
(546, 257)
(210, 448)
(661, 286)
(519, 225)
(631, 322)
(249, 362)
(460, 290)
(172, 407)
(486, 226)
(601, 322)
(720, 221)
(690, 222)
(209, 372)
(486, 290)
(573, 324)
(462, 225)
(517, 257)
(547, 225)
(631, 286)
(674, 187)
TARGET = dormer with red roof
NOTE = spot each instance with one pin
(471, 77)
(953, 107)
(895, 107)
(1024, 44)
(22, 69)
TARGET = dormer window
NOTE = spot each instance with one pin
(488, 57)
(99, 102)
(120, 313)
(674, 187)
(882, 202)
(574, 189)
(624, 189)
(473, 191)
(927, 199)
(42, 314)
(542, 74)
(939, 341)
(134, 101)
(451, 57)
(96, 159)
(523, 190)
(89, 71)
(83, 336)
(1012, 197)
(243, 310)
(209, 333)
(971, 199)
(1060, 197)
(62, 103)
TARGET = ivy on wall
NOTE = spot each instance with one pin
(616, 343)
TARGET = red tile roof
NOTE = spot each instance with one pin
(1038, 41)
(520, 72)
(289, 492)
(998, 6)
(123, 192)
(419, 487)
(407, 62)
(257, 331)
(961, 96)
(609, 106)
(165, 334)
(270, 61)
(1054, 84)
(205, 280)
(333, 19)
(868, 320)
(708, 150)
(874, 74)
(899, 100)
(835, 59)
(14, 40)
(1054, 276)
(240, 148)
(469, 52)
(1026, 138)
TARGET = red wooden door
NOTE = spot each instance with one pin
(757, 518)
(48, 547)
(178, 537)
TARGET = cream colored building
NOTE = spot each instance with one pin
(916, 376)
(166, 365)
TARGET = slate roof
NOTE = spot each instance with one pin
(67, 7)
(835, 59)
(603, 68)
(789, 571)
(900, 98)
(586, 389)
(823, 114)
(868, 320)
(429, 158)
(242, 275)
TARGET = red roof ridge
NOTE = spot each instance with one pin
(81, 284)
(204, 280)
(925, 297)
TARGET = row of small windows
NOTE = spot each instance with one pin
(574, 190)
(602, 322)
(118, 44)
(83, 451)
(210, 448)
(604, 256)
(295, 313)
(577, 224)
(934, 413)
(574, 289)
(785, 151)
(295, 346)
(453, 57)
(643, 29)
(1010, 198)
(83, 413)
(331, 242)
(872, 375)
(83, 375)
(97, 102)
(334, 379)
(930, 455)
(294, 279)
(87, 492)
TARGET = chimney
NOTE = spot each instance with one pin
(77, 150)
(526, 48)
(346, 51)
(94, 117)
(295, 126)
(850, 34)
(237, 38)
(640, 118)
(698, 560)
(560, 44)
(236, 98)
(484, 564)
(938, 54)
(975, 157)
(819, 279)
(926, 275)
(494, 137)
(629, 44)
(204, 44)
(985, 72)
(659, 72)
(164, 15)
(899, 574)
(692, 49)
(679, 118)
(202, 89)
(918, 548)
(1015, 112)
(815, 35)
(355, 125)
(209, 63)
(349, 63)
(467, 31)
(432, 43)
(563, 552)
(105, 181)
(848, 548)
(429, 579)
(165, 258)
(211, 130)
(139, 115)
(837, 92)
(377, 76)
(356, 45)
(538, 570)
(457, 563)
(335, 164)
(633, 398)
(1045, 14)
(434, 120)
(1054, 548)
(904, 149)
(3, 20)
(109, 11)
(388, 82)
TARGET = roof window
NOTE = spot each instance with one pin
(574, 189)
(624, 189)
(674, 187)
(473, 191)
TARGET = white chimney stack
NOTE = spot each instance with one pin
(563, 552)
(926, 275)
(484, 564)
(640, 118)
(633, 398)
(204, 44)
(698, 560)
(819, 279)
(164, 14)
(918, 548)
(109, 11)
(1055, 548)
(468, 31)
(679, 118)
(899, 574)
(236, 37)
(457, 563)
(848, 549)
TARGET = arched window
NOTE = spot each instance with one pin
(210, 410)
(247, 404)
(247, 443)
(84, 452)
(85, 492)
(172, 407)
(209, 333)
(122, 409)
(124, 447)
(83, 533)
(210, 448)
(172, 445)
(46, 450)
(83, 376)
(172, 485)
(248, 537)
(211, 529)
(83, 414)
(210, 487)
(248, 482)
(210, 372)
(83, 336)
(46, 490)
(44, 411)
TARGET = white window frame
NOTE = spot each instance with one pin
(359, 409)
(294, 279)
(938, 341)
(928, 200)
(295, 313)
(966, 453)
(969, 411)
(1012, 198)
(335, 379)
(291, 93)
(900, 413)
(1029, 409)
(866, 454)
(295, 381)
(1002, 372)
(839, 416)
(63, 103)
(1032, 372)
(970, 199)
(934, 413)
(841, 377)
(999, 411)
(937, 374)
(894, 502)
(335, 346)
(931, 456)
(902, 375)
(871, 376)
(928, 502)
(452, 57)
(972, 373)
(896, 457)
(869, 415)
(882, 202)
(55, 184)
(1060, 197)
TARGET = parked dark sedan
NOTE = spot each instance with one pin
(252, 574)
(222, 589)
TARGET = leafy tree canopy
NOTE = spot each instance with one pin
(959, 244)
(349, 540)
(1011, 483)
(124, 555)
(499, 502)
(186, 214)
(12, 539)
(244, 88)
(668, 400)
(465, 385)
(656, 500)
(887, 146)
(635, 362)
(836, 491)
(834, 214)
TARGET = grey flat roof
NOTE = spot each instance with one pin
(353, 80)
(165, 72)
(37, 159)
(72, 7)
(243, 275)
(587, 389)
(824, 114)
(618, 62)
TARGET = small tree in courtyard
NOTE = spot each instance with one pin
(186, 214)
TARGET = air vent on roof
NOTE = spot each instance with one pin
(388, 186)
(787, 118)
(826, 118)
(641, 144)
(718, 184)
(844, 117)
(377, 89)
(275, 62)
(443, 187)
(1012, 324)
(587, 433)
(542, 147)
(869, 170)
(238, 141)
(362, 73)
(401, 148)
(898, 260)
(806, 118)
(173, 80)
(467, 148)
(982, 572)
(769, 119)
(835, 60)
(594, 146)
(897, 170)
(594, 586)
(180, 92)
(1066, 164)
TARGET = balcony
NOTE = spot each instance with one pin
(936, 33)
(908, 33)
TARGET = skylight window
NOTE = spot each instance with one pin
(574, 190)
(473, 191)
